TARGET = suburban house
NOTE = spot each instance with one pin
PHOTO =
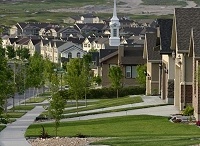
(89, 18)
(128, 57)
(88, 43)
(70, 50)
(152, 54)
(89, 29)
(60, 32)
(185, 22)
(29, 28)
(167, 73)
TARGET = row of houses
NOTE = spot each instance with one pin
(78, 29)
(173, 57)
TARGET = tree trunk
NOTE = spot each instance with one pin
(85, 98)
(117, 93)
(34, 93)
(77, 105)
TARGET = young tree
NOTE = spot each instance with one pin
(75, 79)
(87, 59)
(57, 105)
(141, 78)
(35, 70)
(48, 71)
(10, 52)
(115, 76)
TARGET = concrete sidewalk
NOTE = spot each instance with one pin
(147, 100)
(13, 134)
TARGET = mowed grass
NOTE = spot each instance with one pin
(164, 2)
(16, 114)
(2, 127)
(104, 103)
(36, 100)
(23, 107)
(127, 131)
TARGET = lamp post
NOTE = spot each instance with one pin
(25, 62)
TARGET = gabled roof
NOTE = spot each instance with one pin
(133, 55)
(165, 26)
(89, 15)
(195, 43)
(12, 40)
(68, 46)
(113, 54)
(23, 41)
(104, 52)
(35, 41)
(150, 43)
(185, 19)
(76, 40)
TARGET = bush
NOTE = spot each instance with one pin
(189, 110)
(198, 123)
(108, 92)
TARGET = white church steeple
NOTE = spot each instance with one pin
(114, 39)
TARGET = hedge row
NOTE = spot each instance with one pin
(108, 92)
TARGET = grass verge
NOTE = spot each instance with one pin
(109, 111)
(104, 103)
(14, 114)
(127, 131)
(2, 127)
(23, 107)
(36, 100)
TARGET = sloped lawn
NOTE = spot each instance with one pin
(127, 131)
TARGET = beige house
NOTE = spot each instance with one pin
(153, 57)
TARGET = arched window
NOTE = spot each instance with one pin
(78, 55)
(69, 55)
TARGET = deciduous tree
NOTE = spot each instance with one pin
(115, 76)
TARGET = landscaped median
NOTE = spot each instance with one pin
(101, 103)
(127, 130)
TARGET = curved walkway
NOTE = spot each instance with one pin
(13, 134)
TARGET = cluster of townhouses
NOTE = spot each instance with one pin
(59, 44)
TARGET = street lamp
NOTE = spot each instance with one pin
(25, 62)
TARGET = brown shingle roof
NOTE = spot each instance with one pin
(151, 43)
(185, 19)
(196, 39)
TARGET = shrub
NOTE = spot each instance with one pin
(189, 110)
(198, 123)
(108, 92)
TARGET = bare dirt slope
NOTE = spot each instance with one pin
(131, 7)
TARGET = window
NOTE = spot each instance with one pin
(114, 32)
(78, 55)
(88, 45)
(128, 71)
(131, 72)
(69, 55)
(85, 45)
(111, 65)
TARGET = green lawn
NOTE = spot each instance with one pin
(127, 131)
(11, 114)
(23, 107)
(104, 103)
(2, 127)
(109, 111)
(36, 100)
(164, 2)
